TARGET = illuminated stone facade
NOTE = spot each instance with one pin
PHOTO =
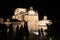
(32, 18)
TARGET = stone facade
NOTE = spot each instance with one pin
(32, 19)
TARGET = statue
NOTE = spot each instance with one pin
(43, 24)
(31, 11)
(46, 21)
(36, 12)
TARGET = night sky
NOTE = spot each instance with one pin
(44, 7)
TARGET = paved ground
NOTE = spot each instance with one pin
(33, 37)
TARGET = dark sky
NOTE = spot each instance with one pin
(46, 7)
